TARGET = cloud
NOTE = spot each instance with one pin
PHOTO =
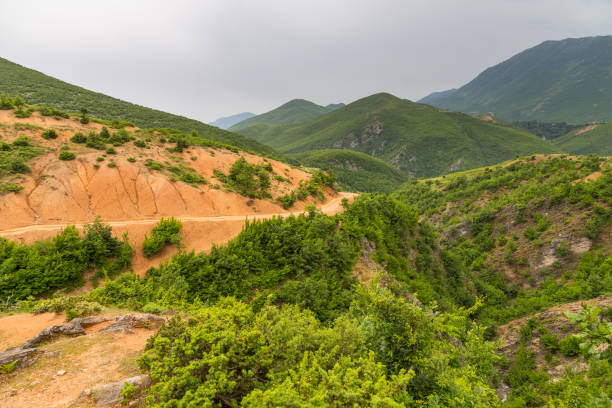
(206, 59)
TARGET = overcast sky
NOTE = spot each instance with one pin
(206, 59)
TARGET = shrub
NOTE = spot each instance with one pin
(104, 133)
(551, 342)
(166, 232)
(131, 159)
(22, 141)
(570, 346)
(9, 188)
(95, 141)
(18, 166)
(111, 164)
(66, 155)
(139, 143)
(78, 138)
(111, 150)
(287, 200)
(49, 134)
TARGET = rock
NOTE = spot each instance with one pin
(22, 356)
(106, 395)
(72, 328)
(34, 383)
(61, 372)
(124, 323)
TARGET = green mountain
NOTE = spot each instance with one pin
(39, 89)
(295, 111)
(228, 121)
(592, 139)
(568, 80)
(417, 139)
(354, 171)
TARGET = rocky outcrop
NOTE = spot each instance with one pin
(23, 356)
(75, 327)
(123, 324)
(108, 395)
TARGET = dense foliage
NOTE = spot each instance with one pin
(166, 232)
(59, 263)
(547, 130)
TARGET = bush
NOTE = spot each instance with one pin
(131, 159)
(78, 138)
(139, 143)
(49, 134)
(111, 150)
(66, 155)
(18, 166)
(166, 232)
(287, 200)
(104, 133)
(570, 346)
(550, 341)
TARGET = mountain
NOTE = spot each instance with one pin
(355, 171)
(591, 139)
(228, 121)
(568, 80)
(40, 89)
(434, 97)
(417, 139)
(295, 111)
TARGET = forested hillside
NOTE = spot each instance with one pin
(567, 80)
(39, 89)
(354, 171)
(416, 139)
(591, 139)
(292, 112)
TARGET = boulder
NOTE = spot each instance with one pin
(107, 395)
(72, 328)
(124, 323)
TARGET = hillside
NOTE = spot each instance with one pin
(39, 89)
(591, 139)
(228, 121)
(354, 171)
(417, 139)
(131, 178)
(566, 80)
(295, 111)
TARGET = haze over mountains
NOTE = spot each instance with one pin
(568, 80)
(292, 112)
(228, 121)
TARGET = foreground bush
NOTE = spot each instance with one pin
(166, 232)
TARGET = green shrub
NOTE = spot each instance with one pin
(550, 341)
(78, 138)
(49, 134)
(139, 143)
(104, 133)
(111, 164)
(66, 155)
(22, 141)
(111, 150)
(131, 159)
(166, 232)
(9, 188)
(570, 346)
(287, 200)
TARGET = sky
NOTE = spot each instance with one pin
(205, 59)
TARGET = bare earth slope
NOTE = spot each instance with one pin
(131, 196)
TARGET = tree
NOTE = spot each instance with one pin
(84, 118)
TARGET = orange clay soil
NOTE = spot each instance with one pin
(131, 197)
(96, 358)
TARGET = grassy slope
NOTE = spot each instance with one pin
(295, 111)
(39, 89)
(354, 171)
(417, 139)
(567, 80)
(595, 141)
